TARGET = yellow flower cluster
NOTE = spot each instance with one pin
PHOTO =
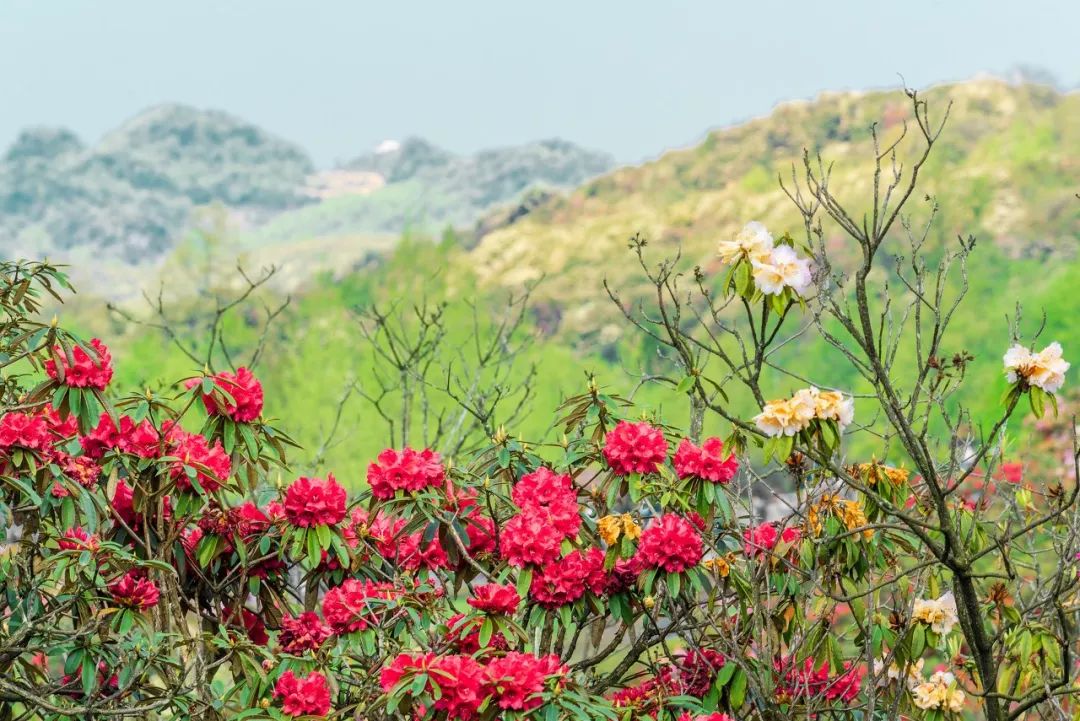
(790, 416)
(939, 692)
(721, 565)
(612, 527)
(850, 513)
(874, 472)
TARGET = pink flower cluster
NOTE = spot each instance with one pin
(356, 605)
(315, 502)
(670, 543)
(211, 463)
(405, 470)
(307, 696)
(549, 515)
(762, 539)
(512, 682)
(707, 462)
(87, 371)
(803, 681)
(246, 393)
(135, 590)
(635, 448)
(495, 599)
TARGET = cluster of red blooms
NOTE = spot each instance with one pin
(670, 543)
(139, 439)
(797, 681)
(86, 371)
(77, 539)
(512, 682)
(135, 590)
(315, 502)
(692, 674)
(567, 579)
(356, 605)
(762, 539)
(211, 463)
(707, 462)
(246, 392)
(635, 448)
(404, 470)
(495, 599)
(307, 696)
(549, 515)
(305, 632)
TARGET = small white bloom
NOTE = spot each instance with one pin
(939, 614)
(832, 405)
(1045, 369)
(753, 242)
(782, 269)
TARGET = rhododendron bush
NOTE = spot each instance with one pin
(729, 558)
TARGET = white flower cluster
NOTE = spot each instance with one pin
(938, 692)
(1044, 370)
(774, 267)
(939, 614)
(790, 416)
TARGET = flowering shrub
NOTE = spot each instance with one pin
(162, 560)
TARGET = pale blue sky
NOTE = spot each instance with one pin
(629, 77)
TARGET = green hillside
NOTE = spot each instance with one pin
(1005, 171)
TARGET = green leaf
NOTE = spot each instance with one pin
(486, 629)
(685, 384)
(737, 694)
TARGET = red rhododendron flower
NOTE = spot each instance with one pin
(315, 502)
(412, 553)
(211, 464)
(306, 632)
(496, 599)
(24, 430)
(61, 428)
(405, 470)
(481, 531)
(516, 680)
(90, 370)
(81, 469)
(355, 605)
(463, 633)
(307, 696)
(135, 590)
(459, 678)
(791, 535)
(530, 538)
(804, 681)
(707, 462)
(670, 543)
(566, 580)
(698, 669)
(635, 448)
(687, 716)
(760, 539)
(77, 539)
(252, 624)
(246, 392)
(405, 664)
(140, 440)
(1011, 472)
(123, 502)
(544, 492)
